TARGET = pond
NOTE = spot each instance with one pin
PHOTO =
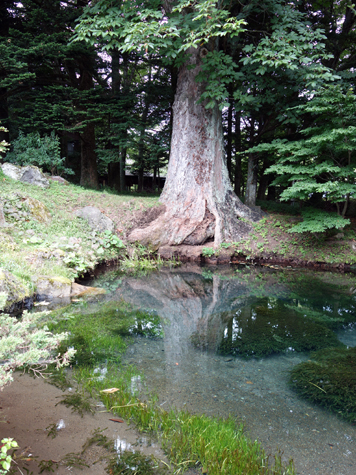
(222, 341)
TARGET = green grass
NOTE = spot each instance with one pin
(216, 446)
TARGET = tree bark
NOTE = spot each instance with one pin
(200, 202)
(238, 171)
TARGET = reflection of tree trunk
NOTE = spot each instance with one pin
(188, 304)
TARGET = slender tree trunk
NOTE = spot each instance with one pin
(123, 169)
(238, 171)
(251, 183)
(114, 176)
(88, 170)
(200, 202)
(229, 137)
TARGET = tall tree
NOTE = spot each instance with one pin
(200, 202)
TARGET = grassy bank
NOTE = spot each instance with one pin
(51, 241)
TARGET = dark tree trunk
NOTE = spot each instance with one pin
(114, 176)
(123, 169)
(88, 170)
(200, 202)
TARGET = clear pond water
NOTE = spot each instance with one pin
(222, 342)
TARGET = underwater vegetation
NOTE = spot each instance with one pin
(96, 331)
(329, 379)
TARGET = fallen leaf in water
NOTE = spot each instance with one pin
(116, 420)
(110, 390)
(249, 382)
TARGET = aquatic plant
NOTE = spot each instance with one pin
(79, 403)
(329, 379)
(94, 331)
(215, 446)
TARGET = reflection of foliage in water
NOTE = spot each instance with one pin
(95, 331)
(329, 380)
(264, 328)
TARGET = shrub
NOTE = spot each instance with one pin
(44, 152)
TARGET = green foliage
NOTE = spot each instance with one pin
(318, 221)
(324, 162)
(208, 251)
(44, 152)
(5, 458)
(155, 28)
(112, 241)
(329, 379)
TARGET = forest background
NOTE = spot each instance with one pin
(282, 73)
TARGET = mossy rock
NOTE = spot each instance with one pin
(7, 243)
(53, 287)
(16, 292)
(329, 379)
(38, 210)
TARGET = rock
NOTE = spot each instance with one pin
(96, 219)
(38, 210)
(3, 223)
(59, 179)
(53, 287)
(29, 174)
(13, 288)
(82, 290)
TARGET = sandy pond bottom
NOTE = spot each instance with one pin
(255, 393)
(29, 407)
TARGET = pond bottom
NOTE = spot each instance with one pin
(253, 391)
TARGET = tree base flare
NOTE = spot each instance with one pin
(196, 221)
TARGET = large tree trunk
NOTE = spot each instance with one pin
(200, 202)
